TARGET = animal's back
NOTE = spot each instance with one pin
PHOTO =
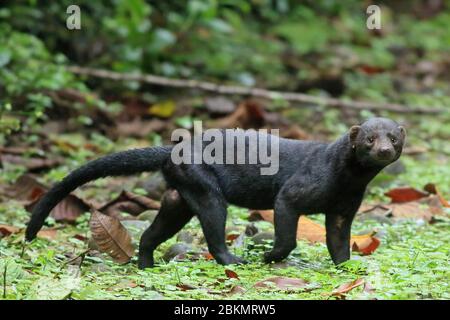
(245, 185)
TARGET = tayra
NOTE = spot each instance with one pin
(313, 177)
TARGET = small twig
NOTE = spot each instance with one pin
(251, 91)
(82, 259)
(82, 255)
(24, 245)
(4, 280)
(178, 275)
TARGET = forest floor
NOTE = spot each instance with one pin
(411, 261)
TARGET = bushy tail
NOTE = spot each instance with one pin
(116, 164)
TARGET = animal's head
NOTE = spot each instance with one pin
(377, 142)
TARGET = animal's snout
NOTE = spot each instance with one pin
(385, 153)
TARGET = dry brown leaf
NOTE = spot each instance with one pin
(346, 287)
(6, 230)
(249, 114)
(365, 244)
(67, 210)
(131, 203)
(49, 234)
(405, 194)
(295, 132)
(310, 230)
(207, 256)
(431, 188)
(424, 208)
(411, 209)
(26, 188)
(185, 287)
(111, 237)
(123, 284)
(231, 274)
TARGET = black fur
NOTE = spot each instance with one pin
(313, 177)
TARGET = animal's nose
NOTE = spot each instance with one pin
(384, 152)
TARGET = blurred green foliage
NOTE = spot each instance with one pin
(239, 40)
(279, 44)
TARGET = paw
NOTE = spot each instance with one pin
(271, 256)
(339, 260)
(239, 260)
(145, 263)
(228, 258)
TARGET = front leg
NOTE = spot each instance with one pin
(285, 223)
(338, 227)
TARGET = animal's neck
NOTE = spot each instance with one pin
(346, 165)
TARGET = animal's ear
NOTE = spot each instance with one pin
(402, 132)
(353, 133)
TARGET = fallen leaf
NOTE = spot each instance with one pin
(405, 194)
(185, 287)
(231, 274)
(370, 69)
(346, 287)
(282, 283)
(49, 234)
(249, 114)
(365, 244)
(413, 209)
(111, 237)
(295, 132)
(207, 256)
(232, 236)
(26, 187)
(257, 215)
(6, 230)
(431, 188)
(130, 203)
(163, 109)
(67, 210)
(310, 230)
(80, 237)
(424, 208)
(123, 284)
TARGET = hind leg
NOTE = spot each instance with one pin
(211, 212)
(199, 188)
(172, 217)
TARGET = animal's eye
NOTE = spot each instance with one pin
(370, 139)
(393, 140)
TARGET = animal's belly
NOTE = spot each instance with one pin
(248, 189)
(260, 202)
